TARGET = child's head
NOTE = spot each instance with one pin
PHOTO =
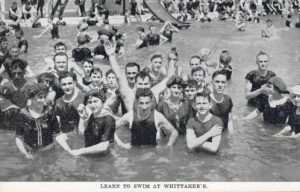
(111, 79)
(295, 95)
(19, 34)
(156, 62)
(4, 43)
(17, 68)
(202, 103)
(87, 66)
(225, 57)
(82, 39)
(195, 61)
(96, 76)
(191, 89)
(198, 74)
(60, 47)
(46, 78)
(269, 22)
(2, 25)
(82, 26)
(14, 5)
(14, 51)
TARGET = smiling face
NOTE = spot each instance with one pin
(198, 76)
(190, 92)
(219, 83)
(95, 104)
(68, 85)
(176, 90)
(202, 105)
(262, 62)
(96, 79)
(61, 63)
(156, 64)
(195, 62)
(38, 100)
(131, 73)
(143, 83)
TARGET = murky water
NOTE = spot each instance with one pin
(251, 154)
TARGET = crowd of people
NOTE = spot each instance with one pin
(72, 95)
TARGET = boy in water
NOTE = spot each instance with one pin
(204, 130)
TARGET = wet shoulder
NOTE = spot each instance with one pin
(217, 121)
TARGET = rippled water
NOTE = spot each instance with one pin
(251, 154)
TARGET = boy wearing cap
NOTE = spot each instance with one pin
(39, 124)
(204, 130)
(277, 107)
(292, 129)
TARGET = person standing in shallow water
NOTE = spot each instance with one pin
(39, 124)
(145, 123)
(276, 107)
(256, 80)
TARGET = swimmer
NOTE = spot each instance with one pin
(167, 31)
(204, 130)
(292, 129)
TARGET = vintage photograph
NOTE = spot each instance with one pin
(149, 91)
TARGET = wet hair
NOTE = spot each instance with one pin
(87, 60)
(195, 57)
(225, 57)
(133, 64)
(194, 70)
(46, 76)
(108, 72)
(95, 93)
(156, 56)
(18, 63)
(261, 53)
(140, 29)
(143, 92)
(96, 70)
(142, 75)
(65, 74)
(204, 94)
(34, 89)
(59, 44)
(20, 31)
(191, 83)
(219, 72)
(60, 54)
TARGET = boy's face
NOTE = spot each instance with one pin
(87, 67)
(198, 76)
(131, 73)
(142, 83)
(111, 80)
(262, 62)
(156, 64)
(176, 90)
(61, 63)
(219, 83)
(4, 44)
(194, 62)
(202, 105)
(14, 52)
(95, 104)
(144, 104)
(190, 92)
(96, 79)
(68, 85)
(60, 49)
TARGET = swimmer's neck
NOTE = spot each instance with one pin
(175, 100)
(262, 72)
